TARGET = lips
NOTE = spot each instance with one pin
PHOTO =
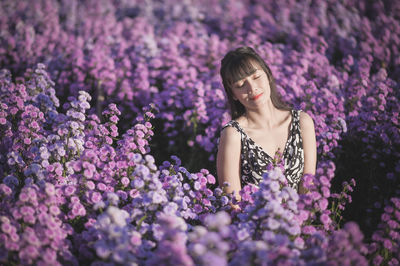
(256, 97)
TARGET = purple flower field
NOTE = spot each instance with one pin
(110, 113)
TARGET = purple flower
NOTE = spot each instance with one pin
(69, 190)
(6, 228)
(125, 181)
(156, 198)
(299, 242)
(224, 200)
(197, 208)
(377, 260)
(102, 250)
(388, 244)
(23, 196)
(309, 230)
(197, 185)
(90, 185)
(243, 234)
(88, 173)
(211, 179)
(101, 186)
(325, 219)
(138, 183)
(274, 186)
(323, 204)
(96, 197)
(26, 210)
(273, 224)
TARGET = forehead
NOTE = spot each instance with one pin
(242, 69)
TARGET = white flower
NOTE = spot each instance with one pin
(117, 215)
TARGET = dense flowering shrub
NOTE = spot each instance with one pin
(385, 245)
(33, 231)
(95, 97)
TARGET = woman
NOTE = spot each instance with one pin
(262, 125)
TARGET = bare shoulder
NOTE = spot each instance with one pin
(309, 143)
(230, 135)
(306, 122)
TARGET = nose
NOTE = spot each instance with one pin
(251, 87)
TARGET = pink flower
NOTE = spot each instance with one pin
(325, 219)
(6, 190)
(69, 190)
(49, 255)
(323, 204)
(90, 185)
(87, 173)
(325, 192)
(211, 179)
(315, 195)
(309, 230)
(54, 210)
(6, 228)
(206, 202)
(26, 210)
(23, 196)
(31, 237)
(388, 244)
(114, 119)
(324, 181)
(96, 197)
(136, 239)
(125, 181)
(101, 186)
(203, 180)
(34, 125)
(14, 237)
(139, 133)
(133, 193)
(50, 189)
(299, 242)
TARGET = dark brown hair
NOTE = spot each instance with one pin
(238, 64)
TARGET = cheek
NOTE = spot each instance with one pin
(264, 81)
(237, 94)
(266, 84)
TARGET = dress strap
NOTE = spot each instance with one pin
(235, 125)
(296, 119)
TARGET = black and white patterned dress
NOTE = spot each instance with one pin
(254, 160)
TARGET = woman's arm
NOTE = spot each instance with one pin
(228, 160)
(309, 146)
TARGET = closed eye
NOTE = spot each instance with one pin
(239, 85)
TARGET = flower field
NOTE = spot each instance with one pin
(110, 113)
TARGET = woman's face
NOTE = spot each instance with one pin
(253, 90)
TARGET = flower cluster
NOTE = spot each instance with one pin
(32, 229)
(385, 247)
(113, 238)
(192, 192)
(211, 241)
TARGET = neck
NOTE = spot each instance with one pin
(263, 117)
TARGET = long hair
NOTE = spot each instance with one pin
(238, 64)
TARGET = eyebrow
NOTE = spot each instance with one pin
(254, 72)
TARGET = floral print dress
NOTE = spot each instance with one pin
(254, 160)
